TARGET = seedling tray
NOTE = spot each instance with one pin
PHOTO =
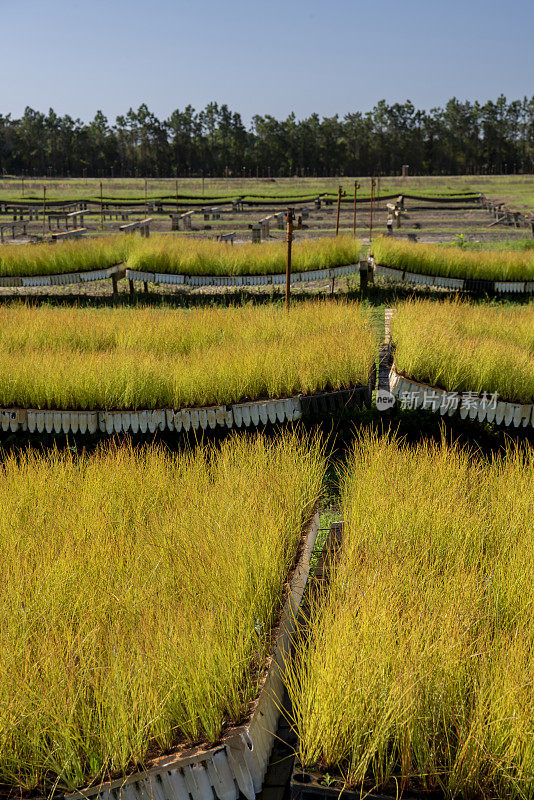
(237, 765)
(237, 415)
(458, 284)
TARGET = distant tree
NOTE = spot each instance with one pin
(462, 137)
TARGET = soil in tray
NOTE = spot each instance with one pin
(315, 785)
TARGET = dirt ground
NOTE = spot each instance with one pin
(424, 221)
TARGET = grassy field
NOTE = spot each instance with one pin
(141, 590)
(516, 190)
(163, 358)
(460, 346)
(197, 257)
(517, 264)
(417, 673)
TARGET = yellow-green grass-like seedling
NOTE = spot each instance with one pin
(140, 593)
(464, 347)
(183, 255)
(63, 257)
(176, 254)
(134, 358)
(417, 671)
(455, 262)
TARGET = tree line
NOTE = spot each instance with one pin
(461, 138)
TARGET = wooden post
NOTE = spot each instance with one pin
(44, 208)
(356, 187)
(338, 208)
(114, 283)
(364, 274)
(132, 286)
(290, 216)
(176, 192)
(146, 198)
(373, 182)
(23, 185)
(101, 208)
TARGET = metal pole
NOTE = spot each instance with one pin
(371, 216)
(101, 207)
(356, 187)
(289, 219)
(338, 208)
(44, 208)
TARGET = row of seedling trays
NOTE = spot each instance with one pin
(167, 279)
(419, 347)
(457, 284)
(238, 415)
(174, 632)
(423, 621)
(413, 676)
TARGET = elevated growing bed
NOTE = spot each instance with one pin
(63, 279)
(457, 284)
(236, 766)
(461, 269)
(180, 261)
(467, 404)
(143, 369)
(171, 594)
(413, 678)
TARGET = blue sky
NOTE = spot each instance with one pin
(272, 57)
